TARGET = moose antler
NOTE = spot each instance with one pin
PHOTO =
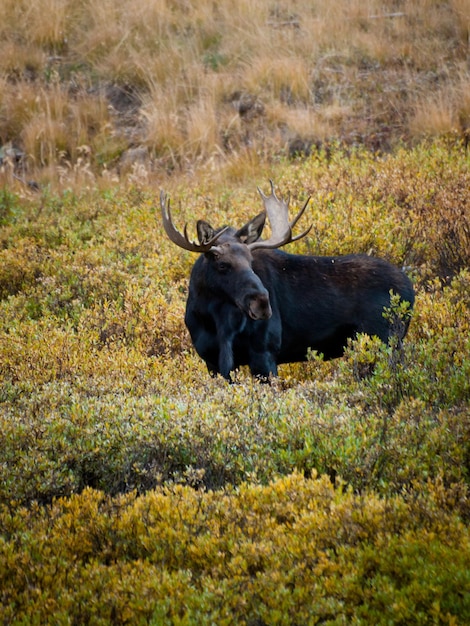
(278, 215)
(182, 240)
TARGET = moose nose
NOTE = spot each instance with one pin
(259, 307)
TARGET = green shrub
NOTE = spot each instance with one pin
(107, 417)
(296, 551)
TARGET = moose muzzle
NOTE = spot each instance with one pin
(258, 306)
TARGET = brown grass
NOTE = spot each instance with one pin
(202, 83)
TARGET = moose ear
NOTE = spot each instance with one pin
(205, 232)
(252, 231)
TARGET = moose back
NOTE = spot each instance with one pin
(252, 304)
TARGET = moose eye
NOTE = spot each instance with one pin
(224, 267)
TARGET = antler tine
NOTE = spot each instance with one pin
(296, 219)
(278, 214)
(182, 240)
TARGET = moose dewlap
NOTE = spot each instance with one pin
(250, 303)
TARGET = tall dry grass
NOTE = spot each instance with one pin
(197, 83)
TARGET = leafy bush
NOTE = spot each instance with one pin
(296, 551)
(134, 487)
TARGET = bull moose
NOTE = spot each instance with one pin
(252, 304)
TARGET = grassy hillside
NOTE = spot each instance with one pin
(117, 86)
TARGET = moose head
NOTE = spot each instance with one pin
(228, 262)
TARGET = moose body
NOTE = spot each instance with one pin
(251, 304)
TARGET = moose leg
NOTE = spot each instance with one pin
(230, 322)
(207, 348)
(212, 369)
(226, 358)
(263, 365)
(264, 346)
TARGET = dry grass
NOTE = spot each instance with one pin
(203, 84)
(445, 111)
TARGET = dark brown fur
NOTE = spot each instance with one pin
(305, 302)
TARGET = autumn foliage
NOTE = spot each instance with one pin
(135, 488)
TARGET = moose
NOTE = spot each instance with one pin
(250, 303)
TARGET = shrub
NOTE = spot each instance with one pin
(295, 551)
(134, 487)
